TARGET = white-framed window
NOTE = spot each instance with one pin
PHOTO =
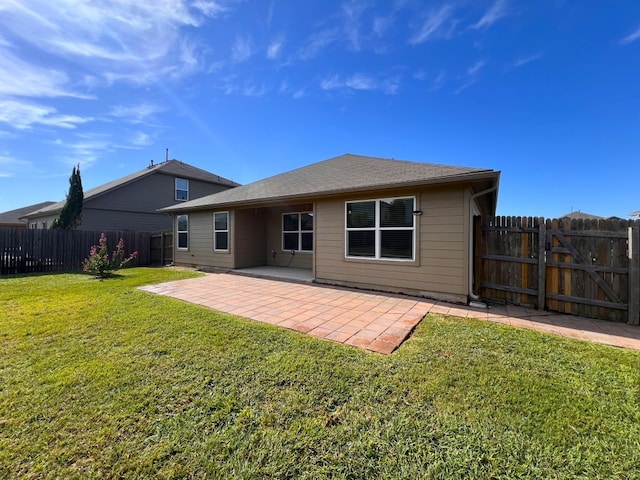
(182, 232)
(44, 225)
(34, 225)
(182, 189)
(297, 231)
(381, 229)
(221, 231)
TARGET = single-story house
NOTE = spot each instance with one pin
(132, 202)
(12, 218)
(582, 216)
(352, 220)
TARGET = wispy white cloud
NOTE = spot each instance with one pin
(476, 67)
(84, 149)
(439, 81)
(209, 9)
(135, 113)
(275, 48)
(141, 139)
(381, 25)
(438, 24)
(242, 49)
(126, 38)
(352, 25)
(497, 11)
(318, 41)
(10, 165)
(471, 76)
(254, 90)
(358, 81)
(19, 78)
(23, 115)
(632, 37)
(519, 62)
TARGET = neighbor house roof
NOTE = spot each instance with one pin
(169, 167)
(582, 215)
(344, 174)
(12, 217)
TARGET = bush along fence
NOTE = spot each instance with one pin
(581, 267)
(31, 251)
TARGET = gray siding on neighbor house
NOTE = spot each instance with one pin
(149, 193)
(442, 243)
(134, 206)
(93, 219)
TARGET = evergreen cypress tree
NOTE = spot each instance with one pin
(70, 216)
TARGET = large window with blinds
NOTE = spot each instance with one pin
(381, 229)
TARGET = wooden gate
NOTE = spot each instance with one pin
(580, 267)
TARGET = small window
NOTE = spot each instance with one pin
(44, 225)
(380, 229)
(182, 232)
(34, 226)
(297, 231)
(182, 189)
(221, 231)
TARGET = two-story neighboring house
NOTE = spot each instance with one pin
(131, 202)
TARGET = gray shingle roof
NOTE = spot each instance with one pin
(582, 215)
(170, 167)
(12, 217)
(343, 174)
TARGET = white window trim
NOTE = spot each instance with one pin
(181, 189)
(377, 229)
(215, 249)
(178, 232)
(299, 231)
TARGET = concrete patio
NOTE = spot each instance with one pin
(375, 321)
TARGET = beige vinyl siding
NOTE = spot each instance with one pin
(249, 235)
(440, 268)
(200, 251)
(46, 218)
(274, 238)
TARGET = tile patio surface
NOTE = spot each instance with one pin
(375, 321)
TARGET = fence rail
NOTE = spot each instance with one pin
(31, 251)
(581, 267)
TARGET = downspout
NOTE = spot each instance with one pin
(472, 295)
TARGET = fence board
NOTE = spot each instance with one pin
(579, 267)
(31, 250)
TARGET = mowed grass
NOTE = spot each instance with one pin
(101, 380)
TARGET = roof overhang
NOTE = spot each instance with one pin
(477, 181)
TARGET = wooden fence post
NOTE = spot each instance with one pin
(634, 276)
(542, 264)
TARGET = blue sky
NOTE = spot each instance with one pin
(545, 91)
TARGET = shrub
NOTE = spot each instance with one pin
(99, 264)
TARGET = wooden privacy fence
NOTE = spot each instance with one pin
(30, 250)
(161, 248)
(580, 267)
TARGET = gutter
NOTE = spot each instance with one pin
(474, 297)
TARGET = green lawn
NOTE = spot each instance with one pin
(100, 380)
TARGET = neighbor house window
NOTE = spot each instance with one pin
(182, 189)
(34, 226)
(182, 231)
(44, 225)
(381, 229)
(221, 231)
(297, 231)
